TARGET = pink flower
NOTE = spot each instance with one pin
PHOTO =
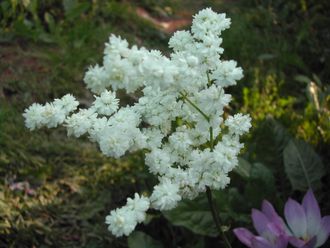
(305, 227)
(270, 227)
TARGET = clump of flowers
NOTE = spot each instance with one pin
(179, 118)
(305, 227)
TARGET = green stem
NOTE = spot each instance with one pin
(215, 214)
(208, 79)
(211, 139)
(216, 217)
(194, 106)
(212, 204)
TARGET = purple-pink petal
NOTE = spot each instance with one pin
(325, 222)
(311, 243)
(324, 231)
(296, 218)
(313, 213)
(260, 221)
(268, 209)
(281, 242)
(273, 228)
(244, 235)
(296, 242)
(260, 242)
(304, 229)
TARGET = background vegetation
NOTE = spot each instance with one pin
(55, 191)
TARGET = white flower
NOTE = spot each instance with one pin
(139, 205)
(67, 103)
(165, 195)
(106, 104)
(80, 123)
(52, 115)
(153, 137)
(207, 22)
(180, 141)
(181, 40)
(126, 117)
(227, 73)
(96, 79)
(116, 45)
(98, 125)
(158, 161)
(32, 115)
(158, 107)
(121, 221)
(238, 124)
(113, 143)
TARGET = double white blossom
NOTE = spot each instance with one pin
(50, 114)
(122, 221)
(178, 119)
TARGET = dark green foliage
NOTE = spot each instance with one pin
(303, 166)
(140, 239)
(194, 215)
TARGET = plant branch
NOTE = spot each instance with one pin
(216, 216)
(185, 98)
(212, 204)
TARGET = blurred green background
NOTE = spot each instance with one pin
(56, 191)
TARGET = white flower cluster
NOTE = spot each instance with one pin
(50, 114)
(178, 119)
(122, 221)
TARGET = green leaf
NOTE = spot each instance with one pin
(200, 243)
(194, 215)
(266, 56)
(271, 139)
(139, 239)
(302, 79)
(317, 80)
(50, 21)
(231, 206)
(73, 9)
(262, 173)
(303, 166)
(244, 168)
(260, 186)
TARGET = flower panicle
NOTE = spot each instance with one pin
(177, 119)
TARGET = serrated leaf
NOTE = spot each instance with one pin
(194, 215)
(303, 166)
(139, 239)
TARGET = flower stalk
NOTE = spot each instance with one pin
(213, 207)
(185, 98)
(216, 217)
